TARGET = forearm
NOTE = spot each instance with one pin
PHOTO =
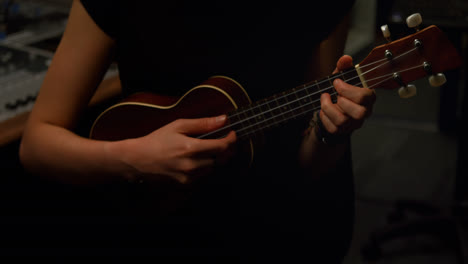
(167, 155)
(314, 155)
(57, 153)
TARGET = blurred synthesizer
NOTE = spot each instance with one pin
(22, 71)
(30, 32)
(25, 29)
(21, 76)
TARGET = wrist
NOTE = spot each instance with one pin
(118, 152)
(323, 136)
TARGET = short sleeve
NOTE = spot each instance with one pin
(105, 14)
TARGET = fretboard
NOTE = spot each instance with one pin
(278, 109)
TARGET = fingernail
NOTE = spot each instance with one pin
(336, 82)
(221, 119)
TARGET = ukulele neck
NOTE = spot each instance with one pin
(280, 108)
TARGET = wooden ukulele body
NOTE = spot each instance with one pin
(142, 113)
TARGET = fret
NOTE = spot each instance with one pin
(324, 86)
(313, 89)
(247, 125)
(258, 113)
(294, 90)
(330, 81)
(244, 118)
(314, 93)
(303, 95)
(275, 106)
(295, 103)
(235, 120)
(272, 113)
(254, 125)
(351, 77)
(343, 77)
(266, 109)
(249, 120)
(282, 102)
(284, 105)
(333, 96)
(258, 117)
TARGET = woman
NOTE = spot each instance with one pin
(298, 194)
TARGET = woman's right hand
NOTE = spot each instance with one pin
(170, 152)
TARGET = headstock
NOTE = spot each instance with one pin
(427, 52)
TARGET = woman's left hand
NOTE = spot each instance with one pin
(353, 106)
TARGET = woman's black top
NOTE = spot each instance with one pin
(169, 47)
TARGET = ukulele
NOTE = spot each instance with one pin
(427, 52)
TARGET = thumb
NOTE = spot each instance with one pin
(200, 125)
(343, 63)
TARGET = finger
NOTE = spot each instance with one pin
(211, 147)
(328, 124)
(345, 62)
(332, 111)
(200, 125)
(362, 96)
(353, 110)
(224, 157)
(204, 167)
(181, 178)
(190, 169)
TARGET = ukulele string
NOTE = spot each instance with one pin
(275, 123)
(294, 109)
(263, 120)
(388, 61)
(228, 127)
(330, 87)
(327, 79)
(389, 74)
(299, 90)
(256, 129)
(317, 92)
(278, 107)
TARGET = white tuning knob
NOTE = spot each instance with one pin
(385, 32)
(407, 91)
(437, 80)
(414, 20)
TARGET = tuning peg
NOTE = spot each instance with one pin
(386, 32)
(437, 80)
(414, 20)
(407, 91)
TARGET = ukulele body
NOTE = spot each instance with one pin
(142, 113)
